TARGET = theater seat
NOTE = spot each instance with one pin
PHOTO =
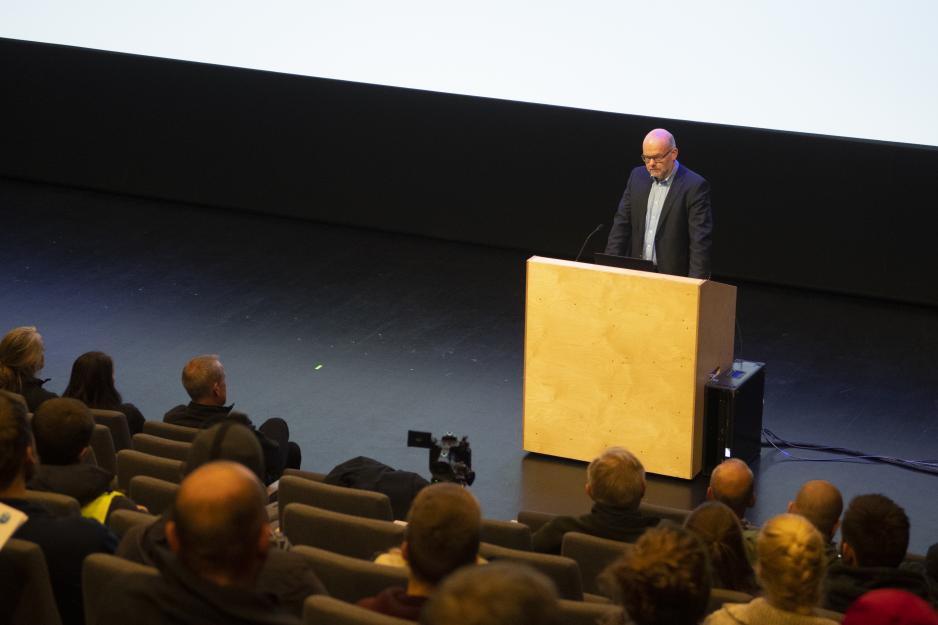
(564, 572)
(593, 554)
(168, 430)
(350, 579)
(117, 423)
(354, 501)
(346, 534)
(320, 609)
(97, 572)
(162, 447)
(25, 589)
(131, 463)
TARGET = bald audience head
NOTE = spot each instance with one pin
(731, 483)
(219, 528)
(820, 502)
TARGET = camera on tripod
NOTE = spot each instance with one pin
(450, 457)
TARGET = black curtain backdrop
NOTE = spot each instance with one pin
(823, 213)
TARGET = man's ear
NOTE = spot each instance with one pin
(405, 551)
(589, 491)
(83, 455)
(32, 458)
(848, 554)
(834, 529)
(791, 507)
(710, 493)
(263, 540)
(172, 536)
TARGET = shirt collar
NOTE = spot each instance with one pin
(669, 177)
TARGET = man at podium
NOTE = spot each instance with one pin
(664, 214)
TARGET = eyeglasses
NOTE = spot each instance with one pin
(658, 158)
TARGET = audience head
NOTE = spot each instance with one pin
(731, 483)
(616, 478)
(92, 381)
(890, 606)
(502, 593)
(16, 442)
(63, 429)
(442, 533)
(719, 531)
(791, 563)
(204, 379)
(875, 532)
(218, 527)
(22, 355)
(227, 441)
(820, 502)
(663, 579)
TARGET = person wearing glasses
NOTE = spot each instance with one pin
(664, 214)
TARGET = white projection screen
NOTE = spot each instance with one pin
(860, 68)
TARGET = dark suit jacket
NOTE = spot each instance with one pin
(682, 241)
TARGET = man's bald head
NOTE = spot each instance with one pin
(219, 524)
(731, 483)
(820, 502)
(660, 140)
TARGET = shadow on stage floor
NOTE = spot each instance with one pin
(355, 336)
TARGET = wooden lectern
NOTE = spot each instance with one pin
(621, 357)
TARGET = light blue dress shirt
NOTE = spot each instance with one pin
(656, 197)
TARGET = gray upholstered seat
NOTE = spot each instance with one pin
(593, 554)
(507, 534)
(117, 423)
(153, 493)
(120, 521)
(350, 579)
(320, 609)
(162, 447)
(102, 444)
(168, 430)
(25, 587)
(564, 571)
(585, 612)
(59, 505)
(131, 463)
(349, 535)
(97, 572)
(354, 501)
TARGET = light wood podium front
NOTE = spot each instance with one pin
(621, 357)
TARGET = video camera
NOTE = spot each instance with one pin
(450, 458)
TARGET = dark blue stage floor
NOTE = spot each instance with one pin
(354, 337)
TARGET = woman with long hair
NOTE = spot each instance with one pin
(719, 530)
(22, 356)
(92, 382)
(790, 568)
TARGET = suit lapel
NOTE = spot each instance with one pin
(640, 214)
(673, 193)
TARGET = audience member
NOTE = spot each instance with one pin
(616, 484)
(65, 541)
(287, 576)
(502, 593)
(22, 356)
(874, 540)
(442, 535)
(719, 531)
(219, 537)
(820, 502)
(790, 569)
(92, 382)
(62, 428)
(732, 484)
(204, 380)
(663, 580)
(889, 606)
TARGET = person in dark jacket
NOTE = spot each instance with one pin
(874, 540)
(442, 535)
(616, 484)
(92, 382)
(287, 576)
(63, 427)
(203, 377)
(219, 538)
(22, 356)
(65, 541)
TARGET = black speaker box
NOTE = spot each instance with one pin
(733, 414)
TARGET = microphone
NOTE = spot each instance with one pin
(583, 247)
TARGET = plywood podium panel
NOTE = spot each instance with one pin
(620, 357)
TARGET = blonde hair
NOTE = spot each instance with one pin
(617, 478)
(791, 563)
(22, 355)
